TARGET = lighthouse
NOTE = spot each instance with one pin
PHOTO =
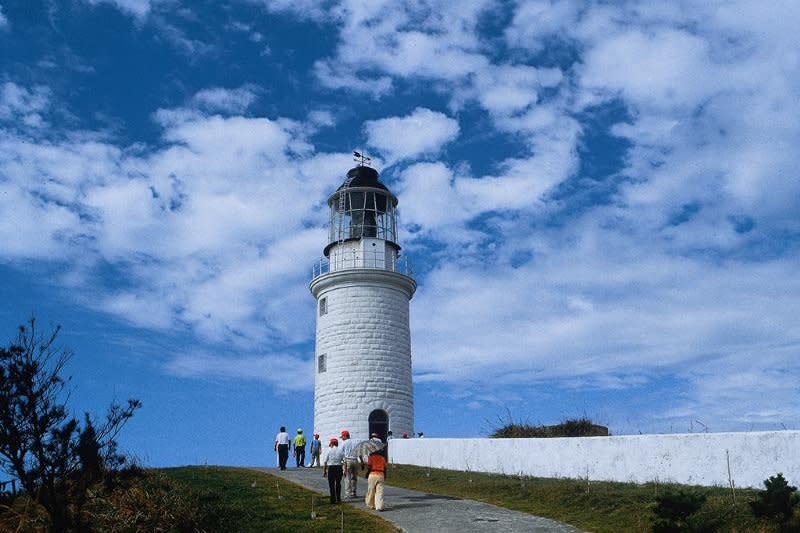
(362, 288)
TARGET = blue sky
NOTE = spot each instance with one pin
(601, 202)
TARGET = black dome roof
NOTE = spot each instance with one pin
(362, 176)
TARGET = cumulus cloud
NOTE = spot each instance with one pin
(707, 181)
(676, 263)
(607, 310)
(435, 40)
(195, 246)
(422, 132)
(507, 89)
(3, 19)
(225, 100)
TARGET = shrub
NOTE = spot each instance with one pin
(675, 511)
(778, 501)
(24, 515)
(574, 427)
(152, 502)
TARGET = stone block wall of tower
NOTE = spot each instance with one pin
(364, 336)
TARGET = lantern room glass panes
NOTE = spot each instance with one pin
(357, 213)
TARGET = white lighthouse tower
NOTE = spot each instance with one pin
(363, 346)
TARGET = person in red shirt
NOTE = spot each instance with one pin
(376, 475)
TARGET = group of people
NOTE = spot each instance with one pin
(340, 462)
(284, 443)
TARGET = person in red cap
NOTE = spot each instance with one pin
(350, 464)
(332, 469)
(315, 450)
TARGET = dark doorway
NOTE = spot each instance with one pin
(379, 423)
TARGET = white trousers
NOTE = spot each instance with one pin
(374, 499)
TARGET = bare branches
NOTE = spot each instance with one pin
(54, 458)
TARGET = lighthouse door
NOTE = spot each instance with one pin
(379, 423)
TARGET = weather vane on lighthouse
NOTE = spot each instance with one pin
(361, 159)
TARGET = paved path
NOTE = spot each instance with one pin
(418, 512)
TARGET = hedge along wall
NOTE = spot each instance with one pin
(694, 459)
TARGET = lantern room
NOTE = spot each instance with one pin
(362, 208)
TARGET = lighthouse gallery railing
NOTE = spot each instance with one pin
(362, 260)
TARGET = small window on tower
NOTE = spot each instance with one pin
(323, 306)
(321, 363)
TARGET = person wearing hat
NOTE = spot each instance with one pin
(316, 449)
(376, 476)
(350, 464)
(282, 447)
(332, 469)
(300, 449)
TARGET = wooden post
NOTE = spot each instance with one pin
(730, 478)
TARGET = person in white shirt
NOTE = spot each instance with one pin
(332, 469)
(350, 464)
(282, 447)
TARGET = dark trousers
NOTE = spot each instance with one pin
(300, 455)
(283, 455)
(335, 482)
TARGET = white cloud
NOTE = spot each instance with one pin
(679, 265)
(20, 104)
(137, 8)
(535, 21)
(284, 372)
(340, 79)
(420, 133)
(429, 196)
(435, 40)
(31, 228)
(3, 19)
(225, 100)
(311, 9)
(196, 247)
(666, 69)
(509, 89)
(321, 118)
(596, 303)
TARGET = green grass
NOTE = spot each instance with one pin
(273, 505)
(596, 506)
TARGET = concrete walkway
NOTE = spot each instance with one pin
(418, 512)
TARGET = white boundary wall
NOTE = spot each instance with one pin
(693, 459)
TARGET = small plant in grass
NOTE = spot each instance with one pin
(778, 501)
(676, 511)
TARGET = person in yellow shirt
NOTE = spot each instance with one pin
(300, 449)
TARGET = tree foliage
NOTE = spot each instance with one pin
(54, 457)
(778, 500)
(675, 511)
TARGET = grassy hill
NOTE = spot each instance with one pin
(596, 506)
(247, 500)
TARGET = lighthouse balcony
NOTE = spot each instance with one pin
(362, 260)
